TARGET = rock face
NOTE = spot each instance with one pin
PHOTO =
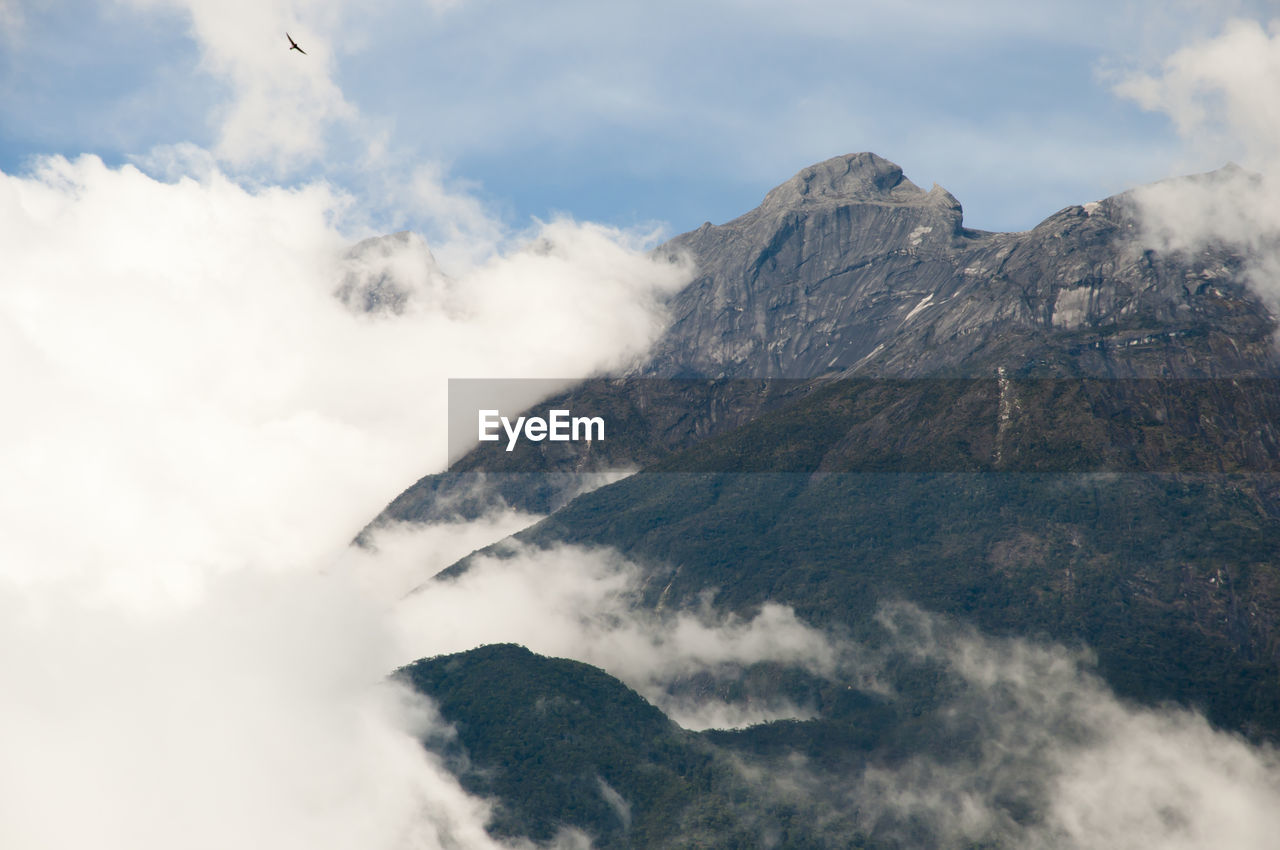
(849, 267)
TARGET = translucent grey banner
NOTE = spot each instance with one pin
(866, 425)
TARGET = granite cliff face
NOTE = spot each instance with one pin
(851, 268)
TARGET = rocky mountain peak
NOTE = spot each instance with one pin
(852, 178)
(849, 267)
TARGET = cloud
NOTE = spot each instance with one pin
(462, 220)
(282, 102)
(185, 384)
(1221, 94)
(255, 718)
(1037, 752)
(581, 603)
(400, 557)
(11, 21)
(580, 106)
(196, 425)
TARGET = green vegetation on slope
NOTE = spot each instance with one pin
(559, 744)
(1172, 577)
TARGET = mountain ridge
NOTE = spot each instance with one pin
(892, 283)
(850, 270)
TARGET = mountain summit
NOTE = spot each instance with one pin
(849, 267)
(857, 176)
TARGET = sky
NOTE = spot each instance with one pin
(622, 113)
(199, 415)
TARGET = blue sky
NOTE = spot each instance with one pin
(622, 113)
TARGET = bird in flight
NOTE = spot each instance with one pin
(293, 45)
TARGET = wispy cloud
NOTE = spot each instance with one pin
(282, 102)
(1055, 760)
(10, 21)
(1221, 94)
(583, 603)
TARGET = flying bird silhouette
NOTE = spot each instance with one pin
(293, 45)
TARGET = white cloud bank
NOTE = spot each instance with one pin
(185, 388)
(254, 718)
(195, 426)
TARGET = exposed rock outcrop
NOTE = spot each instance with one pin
(849, 267)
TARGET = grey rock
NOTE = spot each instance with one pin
(850, 268)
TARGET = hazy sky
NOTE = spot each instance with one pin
(619, 112)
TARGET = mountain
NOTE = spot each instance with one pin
(850, 267)
(562, 745)
(850, 270)
(861, 403)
